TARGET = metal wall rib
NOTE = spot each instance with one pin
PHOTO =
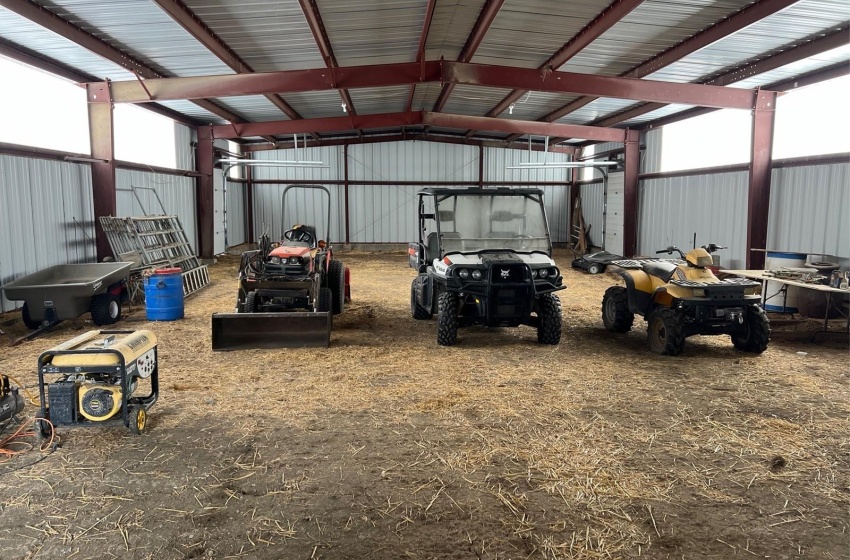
(46, 217)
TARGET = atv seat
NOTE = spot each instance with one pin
(660, 269)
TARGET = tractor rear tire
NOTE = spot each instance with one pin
(754, 334)
(27, 319)
(447, 304)
(419, 313)
(615, 310)
(549, 319)
(664, 332)
(250, 303)
(336, 282)
(325, 302)
(105, 309)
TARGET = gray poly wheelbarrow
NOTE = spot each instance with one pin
(66, 291)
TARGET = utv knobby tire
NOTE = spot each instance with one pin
(615, 310)
(27, 318)
(549, 319)
(105, 309)
(754, 334)
(336, 282)
(419, 313)
(447, 304)
(325, 302)
(665, 334)
(250, 303)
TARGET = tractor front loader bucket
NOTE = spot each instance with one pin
(238, 331)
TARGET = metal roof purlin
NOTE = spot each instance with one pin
(47, 19)
(187, 19)
(423, 38)
(317, 27)
(479, 30)
(739, 20)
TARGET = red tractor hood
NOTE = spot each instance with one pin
(290, 251)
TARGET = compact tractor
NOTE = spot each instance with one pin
(682, 298)
(484, 257)
(288, 291)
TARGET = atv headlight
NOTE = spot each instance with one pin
(274, 260)
(543, 273)
(476, 274)
(699, 292)
(294, 260)
(463, 273)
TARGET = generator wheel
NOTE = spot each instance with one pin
(138, 418)
(754, 334)
(336, 282)
(27, 319)
(664, 332)
(595, 268)
(615, 310)
(105, 309)
(418, 312)
(250, 303)
(447, 303)
(325, 300)
(550, 317)
(43, 428)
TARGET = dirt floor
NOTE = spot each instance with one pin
(387, 446)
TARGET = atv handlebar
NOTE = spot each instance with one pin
(713, 247)
(669, 250)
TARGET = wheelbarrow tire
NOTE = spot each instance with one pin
(105, 309)
(27, 319)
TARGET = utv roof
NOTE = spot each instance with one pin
(480, 192)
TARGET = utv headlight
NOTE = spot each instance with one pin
(553, 272)
(476, 274)
(294, 260)
(463, 273)
(534, 274)
(543, 273)
(274, 260)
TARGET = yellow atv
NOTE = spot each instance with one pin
(681, 298)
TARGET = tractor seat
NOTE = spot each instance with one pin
(660, 269)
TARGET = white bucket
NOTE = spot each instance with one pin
(775, 299)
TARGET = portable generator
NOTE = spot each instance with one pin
(91, 380)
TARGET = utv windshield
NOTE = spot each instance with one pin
(475, 223)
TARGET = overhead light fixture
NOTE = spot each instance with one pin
(511, 109)
(344, 107)
(562, 165)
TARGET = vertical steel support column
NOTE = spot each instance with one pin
(630, 192)
(101, 133)
(480, 166)
(205, 194)
(249, 204)
(345, 189)
(575, 192)
(758, 198)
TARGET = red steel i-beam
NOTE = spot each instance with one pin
(420, 51)
(479, 30)
(101, 134)
(758, 198)
(630, 192)
(205, 193)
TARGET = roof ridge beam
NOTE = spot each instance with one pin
(423, 39)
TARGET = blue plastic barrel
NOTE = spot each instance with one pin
(164, 295)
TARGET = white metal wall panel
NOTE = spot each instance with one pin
(236, 217)
(593, 210)
(183, 138)
(46, 217)
(497, 161)
(412, 161)
(220, 217)
(713, 206)
(176, 193)
(331, 168)
(810, 210)
(383, 214)
(652, 154)
(614, 206)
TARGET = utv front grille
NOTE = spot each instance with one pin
(510, 274)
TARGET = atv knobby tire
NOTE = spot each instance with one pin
(447, 303)
(549, 319)
(754, 334)
(665, 334)
(418, 312)
(615, 310)
(105, 309)
(336, 282)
